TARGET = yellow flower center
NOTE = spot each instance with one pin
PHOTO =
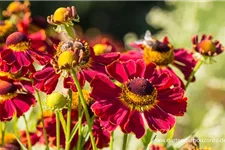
(67, 59)
(207, 46)
(7, 91)
(138, 94)
(75, 101)
(60, 15)
(159, 53)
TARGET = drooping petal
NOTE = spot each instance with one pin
(22, 103)
(135, 124)
(172, 101)
(159, 120)
(117, 71)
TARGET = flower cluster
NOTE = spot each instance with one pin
(90, 90)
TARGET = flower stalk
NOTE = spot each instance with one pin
(82, 99)
(111, 140)
(200, 62)
(3, 125)
(68, 122)
(42, 118)
(27, 134)
(57, 130)
(125, 137)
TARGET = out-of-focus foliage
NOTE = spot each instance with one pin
(206, 113)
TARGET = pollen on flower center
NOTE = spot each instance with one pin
(159, 53)
(138, 94)
(75, 97)
(67, 59)
(18, 42)
(7, 90)
(60, 13)
(207, 46)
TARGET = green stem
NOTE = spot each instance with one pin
(111, 140)
(170, 135)
(63, 122)
(27, 133)
(57, 130)
(200, 62)
(83, 102)
(79, 124)
(42, 118)
(68, 122)
(3, 125)
(125, 136)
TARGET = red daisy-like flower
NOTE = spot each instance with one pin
(13, 100)
(19, 55)
(163, 54)
(75, 54)
(143, 90)
(206, 46)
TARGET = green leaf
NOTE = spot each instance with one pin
(147, 138)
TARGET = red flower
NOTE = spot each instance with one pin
(19, 55)
(206, 46)
(163, 54)
(142, 91)
(88, 66)
(13, 100)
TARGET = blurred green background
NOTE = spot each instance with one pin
(128, 21)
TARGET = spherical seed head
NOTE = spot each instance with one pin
(59, 14)
(7, 87)
(16, 38)
(66, 59)
(56, 101)
(207, 46)
(140, 87)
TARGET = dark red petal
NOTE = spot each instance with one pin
(161, 81)
(135, 124)
(8, 56)
(117, 71)
(8, 110)
(46, 79)
(69, 82)
(23, 59)
(149, 71)
(89, 74)
(159, 120)
(107, 58)
(140, 68)
(174, 107)
(131, 54)
(104, 88)
(130, 68)
(22, 103)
